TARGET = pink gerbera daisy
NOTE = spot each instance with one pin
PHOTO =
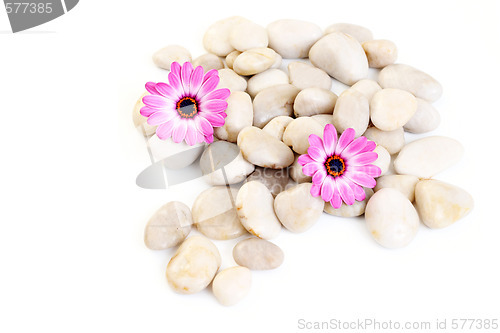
(340, 169)
(188, 107)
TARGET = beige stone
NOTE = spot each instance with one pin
(303, 75)
(403, 183)
(312, 101)
(391, 108)
(258, 254)
(173, 53)
(254, 61)
(269, 78)
(361, 34)
(380, 52)
(297, 133)
(272, 102)
(239, 115)
(293, 38)
(352, 110)
(231, 285)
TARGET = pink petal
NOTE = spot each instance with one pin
(196, 80)
(191, 133)
(167, 91)
(320, 176)
(160, 117)
(151, 88)
(370, 145)
(336, 201)
(316, 190)
(216, 119)
(186, 71)
(204, 126)
(311, 168)
(164, 131)
(362, 179)
(329, 139)
(345, 191)
(369, 169)
(354, 147)
(175, 68)
(317, 154)
(199, 136)
(315, 141)
(362, 159)
(345, 139)
(208, 86)
(175, 82)
(179, 131)
(209, 74)
(359, 192)
(209, 138)
(146, 111)
(304, 159)
(327, 189)
(216, 94)
(213, 105)
(155, 101)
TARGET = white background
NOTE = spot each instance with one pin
(72, 257)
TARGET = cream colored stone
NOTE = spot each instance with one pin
(293, 38)
(277, 62)
(231, 57)
(168, 227)
(408, 78)
(297, 133)
(440, 204)
(367, 87)
(296, 172)
(361, 34)
(258, 254)
(351, 111)
(276, 180)
(384, 159)
(254, 61)
(248, 35)
(356, 209)
(231, 285)
(216, 38)
(214, 213)
(380, 52)
(173, 53)
(311, 101)
(208, 61)
(254, 204)
(239, 115)
(391, 218)
(141, 122)
(276, 127)
(303, 75)
(297, 209)
(174, 155)
(403, 183)
(193, 265)
(393, 141)
(230, 80)
(428, 156)
(262, 149)
(272, 102)
(323, 119)
(271, 77)
(341, 56)
(391, 108)
(425, 119)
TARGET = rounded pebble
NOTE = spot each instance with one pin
(312, 101)
(403, 183)
(258, 254)
(276, 127)
(390, 108)
(230, 80)
(254, 61)
(208, 61)
(296, 172)
(361, 34)
(304, 76)
(425, 119)
(239, 115)
(272, 102)
(380, 52)
(367, 87)
(269, 78)
(248, 35)
(297, 133)
(216, 38)
(293, 38)
(352, 110)
(383, 160)
(393, 141)
(231, 285)
(172, 53)
(231, 57)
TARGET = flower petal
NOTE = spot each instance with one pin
(336, 201)
(216, 119)
(304, 159)
(208, 86)
(167, 91)
(317, 154)
(175, 68)
(345, 190)
(209, 138)
(213, 105)
(329, 139)
(370, 146)
(345, 139)
(175, 82)
(320, 176)
(160, 117)
(146, 111)
(196, 80)
(209, 74)
(179, 132)
(354, 147)
(311, 168)
(327, 189)
(191, 133)
(155, 101)
(186, 71)
(359, 192)
(369, 169)
(204, 126)
(164, 131)
(216, 94)
(362, 159)
(316, 190)
(151, 88)
(315, 141)
(362, 179)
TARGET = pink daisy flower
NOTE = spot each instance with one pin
(188, 107)
(340, 169)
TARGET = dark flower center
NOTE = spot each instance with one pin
(187, 107)
(335, 166)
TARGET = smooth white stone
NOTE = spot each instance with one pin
(393, 141)
(258, 254)
(231, 57)
(362, 34)
(403, 183)
(384, 159)
(254, 204)
(380, 52)
(367, 87)
(193, 265)
(391, 108)
(231, 285)
(266, 79)
(239, 115)
(293, 38)
(276, 127)
(356, 209)
(174, 155)
(214, 213)
(311, 101)
(262, 149)
(141, 122)
(223, 164)
(297, 133)
(304, 76)
(351, 111)
(323, 119)
(277, 62)
(296, 173)
(208, 61)
(254, 61)
(391, 218)
(440, 204)
(429, 156)
(341, 56)
(425, 119)
(248, 35)
(216, 38)
(168, 227)
(173, 53)
(230, 80)
(276, 180)
(272, 102)
(408, 78)
(297, 209)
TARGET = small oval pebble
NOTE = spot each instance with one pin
(231, 57)
(223, 164)
(341, 56)
(168, 227)
(254, 204)
(258, 254)
(296, 172)
(440, 204)
(297, 209)
(425, 119)
(356, 209)
(391, 108)
(141, 122)
(266, 79)
(216, 38)
(172, 53)
(297, 133)
(393, 141)
(230, 80)
(214, 213)
(361, 34)
(426, 157)
(193, 265)
(276, 127)
(276, 180)
(174, 155)
(323, 119)
(254, 61)
(403, 183)
(352, 110)
(304, 76)
(367, 87)
(262, 149)
(208, 61)
(383, 160)
(231, 285)
(272, 102)
(311, 101)
(248, 35)
(380, 52)
(408, 78)
(239, 115)
(391, 218)
(293, 38)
